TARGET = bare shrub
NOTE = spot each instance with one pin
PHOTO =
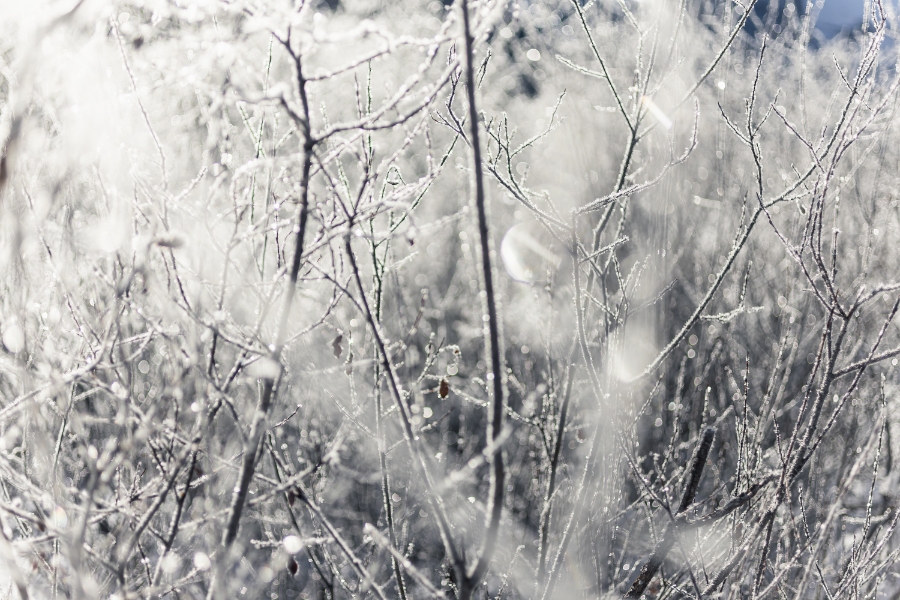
(400, 300)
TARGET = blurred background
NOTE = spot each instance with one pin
(688, 229)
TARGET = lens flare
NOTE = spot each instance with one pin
(529, 253)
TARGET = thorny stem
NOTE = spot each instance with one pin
(265, 400)
(543, 530)
(691, 485)
(736, 248)
(412, 440)
(257, 427)
(578, 503)
(496, 375)
(134, 87)
(382, 440)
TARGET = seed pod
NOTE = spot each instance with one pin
(444, 390)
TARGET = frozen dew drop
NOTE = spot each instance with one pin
(292, 544)
(170, 563)
(202, 562)
(13, 336)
